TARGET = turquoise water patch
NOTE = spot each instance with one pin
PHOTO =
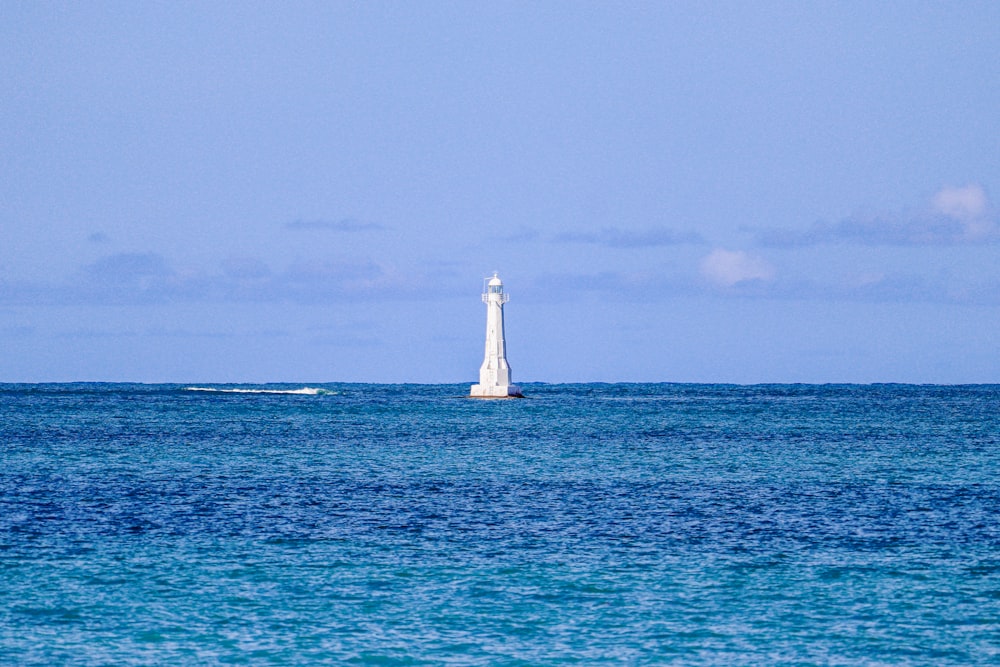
(596, 524)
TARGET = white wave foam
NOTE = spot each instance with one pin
(304, 391)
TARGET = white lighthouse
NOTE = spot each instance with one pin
(494, 374)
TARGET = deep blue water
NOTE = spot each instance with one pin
(588, 524)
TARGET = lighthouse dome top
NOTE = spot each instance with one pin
(494, 290)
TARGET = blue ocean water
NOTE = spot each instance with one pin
(588, 524)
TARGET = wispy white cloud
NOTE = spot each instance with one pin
(123, 277)
(127, 269)
(739, 275)
(956, 215)
(614, 237)
(961, 203)
(726, 268)
(149, 278)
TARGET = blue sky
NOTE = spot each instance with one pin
(739, 192)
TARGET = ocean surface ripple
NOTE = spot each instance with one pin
(406, 524)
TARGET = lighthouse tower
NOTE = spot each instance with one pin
(494, 374)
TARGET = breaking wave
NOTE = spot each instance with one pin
(304, 391)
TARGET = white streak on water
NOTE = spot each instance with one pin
(304, 391)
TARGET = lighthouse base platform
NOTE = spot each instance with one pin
(495, 391)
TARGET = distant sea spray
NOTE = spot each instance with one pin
(304, 391)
